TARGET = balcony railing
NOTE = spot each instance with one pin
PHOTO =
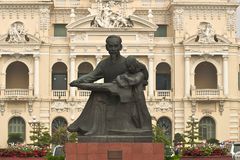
(154, 3)
(163, 94)
(59, 94)
(66, 3)
(83, 94)
(207, 92)
(16, 92)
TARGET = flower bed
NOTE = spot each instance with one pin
(23, 152)
(207, 158)
(205, 153)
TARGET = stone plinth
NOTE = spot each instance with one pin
(113, 139)
(114, 151)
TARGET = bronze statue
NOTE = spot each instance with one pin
(117, 106)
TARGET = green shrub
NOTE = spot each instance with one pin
(50, 157)
(60, 136)
(213, 141)
(178, 139)
(159, 136)
(15, 138)
(176, 157)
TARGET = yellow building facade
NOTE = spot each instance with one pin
(189, 47)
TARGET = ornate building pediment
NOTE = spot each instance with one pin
(32, 40)
(193, 47)
(84, 24)
(31, 47)
(205, 35)
(20, 42)
(193, 40)
(17, 34)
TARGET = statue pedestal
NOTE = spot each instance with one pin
(112, 138)
(114, 151)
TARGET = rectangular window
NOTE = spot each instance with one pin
(60, 30)
(161, 31)
(163, 82)
(59, 82)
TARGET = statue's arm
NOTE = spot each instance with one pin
(92, 76)
(134, 79)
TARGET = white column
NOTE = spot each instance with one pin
(98, 59)
(36, 75)
(187, 76)
(72, 74)
(151, 76)
(225, 75)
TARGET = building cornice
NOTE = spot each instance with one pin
(207, 5)
(13, 3)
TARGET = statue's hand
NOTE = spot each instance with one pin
(74, 83)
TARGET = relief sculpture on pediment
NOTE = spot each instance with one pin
(111, 15)
(17, 33)
(206, 33)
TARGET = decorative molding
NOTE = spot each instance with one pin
(194, 107)
(2, 107)
(63, 106)
(207, 112)
(178, 19)
(221, 107)
(60, 106)
(16, 112)
(160, 106)
(44, 18)
(231, 20)
(30, 107)
(78, 38)
(79, 106)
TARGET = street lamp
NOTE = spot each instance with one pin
(34, 123)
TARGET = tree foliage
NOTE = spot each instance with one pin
(178, 139)
(40, 135)
(159, 136)
(15, 138)
(192, 132)
(60, 136)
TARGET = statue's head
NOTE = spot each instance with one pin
(114, 44)
(132, 64)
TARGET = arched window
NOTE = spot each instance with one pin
(17, 125)
(17, 76)
(163, 77)
(84, 68)
(205, 76)
(166, 125)
(58, 122)
(207, 128)
(59, 76)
